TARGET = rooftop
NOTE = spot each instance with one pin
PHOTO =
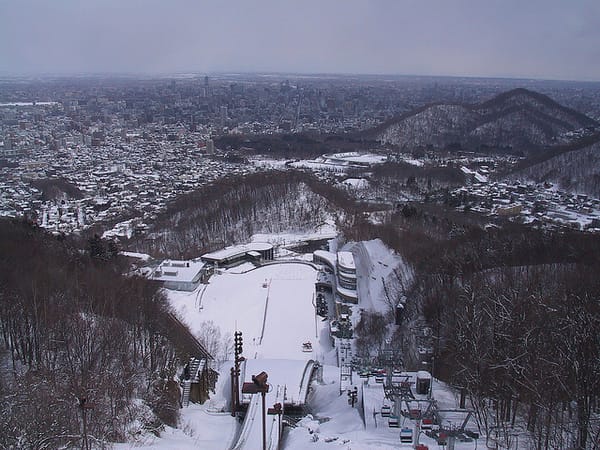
(237, 250)
(174, 270)
(346, 260)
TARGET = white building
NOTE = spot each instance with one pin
(346, 277)
(237, 254)
(180, 275)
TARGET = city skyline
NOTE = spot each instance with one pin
(540, 39)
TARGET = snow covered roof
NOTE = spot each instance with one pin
(423, 375)
(142, 256)
(349, 293)
(237, 250)
(173, 270)
(355, 157)
(331, 258)
(346, 260)
(357, 183)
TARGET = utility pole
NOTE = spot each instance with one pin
(417, 431)
(430, 393)
(315, 306)
(233, 389)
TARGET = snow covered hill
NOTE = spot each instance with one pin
(273, 306)
(574, 170)
(517, 120)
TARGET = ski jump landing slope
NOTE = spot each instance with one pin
(274, 307)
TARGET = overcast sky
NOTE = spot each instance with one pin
(553, 39)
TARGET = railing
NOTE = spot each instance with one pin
(248, 424)
(305, 382)
(195, 347)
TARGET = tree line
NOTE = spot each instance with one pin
(74, 332)
(515, 315)
(234, 208)
(522, 341)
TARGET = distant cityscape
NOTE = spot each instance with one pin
(118, 150)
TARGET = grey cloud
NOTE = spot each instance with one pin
(537, 38)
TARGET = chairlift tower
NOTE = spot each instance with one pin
(345, 358)
(447, 435)
(401, 391)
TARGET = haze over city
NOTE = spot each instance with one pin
(535, 39)
(353, 224)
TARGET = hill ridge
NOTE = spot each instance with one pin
(518, 120)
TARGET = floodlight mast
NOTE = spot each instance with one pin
(235, 372)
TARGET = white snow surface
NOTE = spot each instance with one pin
(356, 183)
(375, 263)
(479, 177)
(237, 299)
(412, 161)
(340, 162)
(141, 256)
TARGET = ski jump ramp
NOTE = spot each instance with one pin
(294, 375)
(289, 382)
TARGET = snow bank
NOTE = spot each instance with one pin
(379, 268)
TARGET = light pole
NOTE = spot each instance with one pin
(233, 389)
(238, 348)
(264, 420)
(315, 306)
(277, 409)
(262, 386)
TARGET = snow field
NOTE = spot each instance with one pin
(273, 307)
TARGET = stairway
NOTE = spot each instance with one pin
(185, 396)
(196, 367)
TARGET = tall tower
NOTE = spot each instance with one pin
(210, 147)
(223, 111)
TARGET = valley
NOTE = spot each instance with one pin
(411, 263)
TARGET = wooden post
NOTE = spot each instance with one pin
(233, 393)
(264, 419)
(237, 387)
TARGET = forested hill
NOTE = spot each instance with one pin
(574, 167)
(72, 327)
(514, 315)
(231, 210)
(516, 121)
